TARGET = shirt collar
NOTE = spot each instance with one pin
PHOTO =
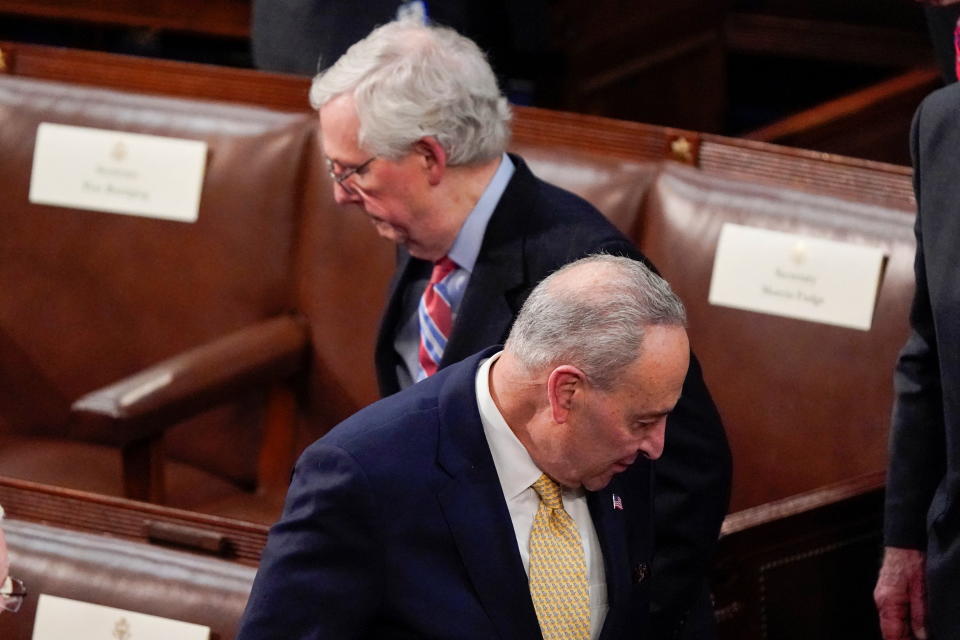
(466, 247)
(515, 467)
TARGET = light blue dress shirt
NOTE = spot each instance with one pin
(464, 252)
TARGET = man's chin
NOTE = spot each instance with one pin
(389, 232)
(598, 483)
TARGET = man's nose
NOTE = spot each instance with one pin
(342, 195)
(652, 444)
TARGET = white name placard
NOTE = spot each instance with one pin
(796, 276)
(118, 172)
(59, 618)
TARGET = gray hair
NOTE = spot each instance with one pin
(409, 81)
(598, 328)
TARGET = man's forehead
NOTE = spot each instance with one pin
(339, 129)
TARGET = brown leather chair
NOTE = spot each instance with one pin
(91, 297)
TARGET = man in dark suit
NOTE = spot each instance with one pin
(415, 130)
(507, 496)
(918, 589)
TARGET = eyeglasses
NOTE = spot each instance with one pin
(339, 178)
(12, 593)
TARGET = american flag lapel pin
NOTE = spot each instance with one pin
(617, 503)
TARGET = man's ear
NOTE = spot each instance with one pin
(433, 156)
(565, 386)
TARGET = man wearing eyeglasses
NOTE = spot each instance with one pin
(414, 132)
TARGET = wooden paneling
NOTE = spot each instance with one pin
(663, 65)
(873, 122)
(824, 40)
(212, 17)
(802, 567)
(163, 77)
(130, 520)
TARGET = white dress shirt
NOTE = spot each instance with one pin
(517, 472)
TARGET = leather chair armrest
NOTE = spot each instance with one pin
(141, 406)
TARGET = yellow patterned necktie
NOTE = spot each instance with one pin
(558, 571)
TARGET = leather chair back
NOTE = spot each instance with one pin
(90, 297)
(805, 404)
(110, 571)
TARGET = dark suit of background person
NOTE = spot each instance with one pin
(535, 229)
(942, 18)
(292, 36)
(417, 540)
(923, 482)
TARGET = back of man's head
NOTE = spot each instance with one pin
(593, 314)
(409, 81)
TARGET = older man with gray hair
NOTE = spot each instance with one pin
(414, 131)
(507, 496)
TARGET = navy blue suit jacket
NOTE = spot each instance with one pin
(535, 229)
(395, 526)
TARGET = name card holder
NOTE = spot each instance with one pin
(59, 618)
(118, 172)
(795, 276)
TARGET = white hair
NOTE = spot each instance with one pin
(410, 80)
(598, 328)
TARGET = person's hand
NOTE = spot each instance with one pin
(900, 596)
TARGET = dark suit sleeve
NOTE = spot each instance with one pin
(320, 572)
(917, 434)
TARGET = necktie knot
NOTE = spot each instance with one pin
(441, 269)
(549, 492)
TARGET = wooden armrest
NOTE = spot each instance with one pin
(142, 406)
(778, 510)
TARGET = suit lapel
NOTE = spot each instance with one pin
(385, 356)
(624, 535)
(475, 510)
(499, 280)
(611, 529)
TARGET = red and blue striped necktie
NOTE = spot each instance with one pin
(436, 316)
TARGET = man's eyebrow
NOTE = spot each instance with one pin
(345, 165)
(655, 413)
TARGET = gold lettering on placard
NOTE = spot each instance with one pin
(792, 282)
(121, 629)
(799, 253)
(119, 151)
(112, 172)
(796, 276)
